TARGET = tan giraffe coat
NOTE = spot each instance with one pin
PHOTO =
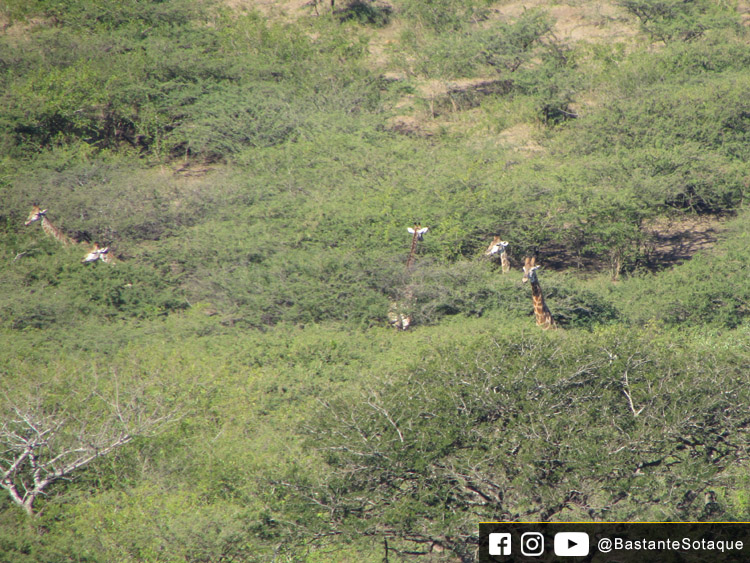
(50, 229)
(541, 311)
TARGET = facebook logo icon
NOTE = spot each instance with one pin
(499, 544)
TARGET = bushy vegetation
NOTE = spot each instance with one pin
(484, 431)
(253, 175)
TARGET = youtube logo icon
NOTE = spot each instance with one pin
(571, 544)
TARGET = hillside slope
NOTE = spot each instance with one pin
(229, 385)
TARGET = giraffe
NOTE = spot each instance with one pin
(97, 253)
(398, 316)
(543, 316)
(418, 235)
(38, 214)
(498, 247)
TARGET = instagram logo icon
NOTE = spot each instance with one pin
(532, 544)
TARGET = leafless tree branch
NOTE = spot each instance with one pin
(41, 444)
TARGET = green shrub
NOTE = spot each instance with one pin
(514, 423)
(158, 91)
(442, 15)
(366, 12)
(667, 160)
(672, 20)
(58, 288)
(230, 119)
(707, 290)
(508, 47)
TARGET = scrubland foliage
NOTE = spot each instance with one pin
(254, 175)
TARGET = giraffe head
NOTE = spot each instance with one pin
(529, 270)
(418, 231)
(93, 255)
(496, 247)
(35, 215)
(97, 253)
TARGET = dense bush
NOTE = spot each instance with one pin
(141, 79)
(657, 154)
(443, 15)
(53, 286)
(513, 427)
(702, 292)
(673, 20)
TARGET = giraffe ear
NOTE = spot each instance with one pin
(410, 230)
(423, 231)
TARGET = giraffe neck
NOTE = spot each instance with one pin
(413, 250)
(54, 232)
(505, 262)
(542, 313)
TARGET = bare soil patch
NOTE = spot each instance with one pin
(290, 9)
(669, 242)
(673, 241)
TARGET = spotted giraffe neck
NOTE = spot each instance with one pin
(53, 231)
(504, 261)
(399, 313)
(541, 311)
(413, 251)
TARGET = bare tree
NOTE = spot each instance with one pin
(44, 439)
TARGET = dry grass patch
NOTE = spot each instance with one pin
(578, 21)
(274, 9)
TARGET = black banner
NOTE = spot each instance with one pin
(614, 542)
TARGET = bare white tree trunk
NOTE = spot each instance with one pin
(43, 441)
